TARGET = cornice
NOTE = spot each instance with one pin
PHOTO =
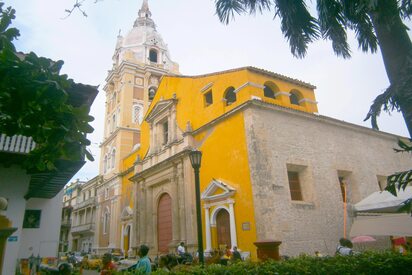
(312, 116)
(160, 165)
(114, 133)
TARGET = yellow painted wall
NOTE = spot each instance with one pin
(225, 155)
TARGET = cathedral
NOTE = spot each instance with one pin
(273, 168)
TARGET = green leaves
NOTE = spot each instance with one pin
(34, 102)
(297, 25)
(226, 9)
(399, 181)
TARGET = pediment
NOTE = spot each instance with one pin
(218, 190)
(159, 109)
(126, 213)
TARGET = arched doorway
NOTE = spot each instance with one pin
(164, 223)
(223, 228)
(126, 239)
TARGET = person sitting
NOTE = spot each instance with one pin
(236, 255)
(181, 249)
(143, 265)
(344, 248)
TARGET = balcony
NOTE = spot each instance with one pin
(17, 144)
(66, 223)
(89, 202)
(83, 228)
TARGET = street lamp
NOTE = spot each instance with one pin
(196, 160)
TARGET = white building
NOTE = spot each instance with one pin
(30, 224)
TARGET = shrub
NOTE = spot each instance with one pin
(373, 263)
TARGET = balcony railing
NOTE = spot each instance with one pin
(16, 144)
(83, 228)
(66, 223)
(88, 202)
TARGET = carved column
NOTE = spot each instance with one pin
(208, 232)
(175, 205)
(233, 237)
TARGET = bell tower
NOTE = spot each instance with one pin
(140, 59)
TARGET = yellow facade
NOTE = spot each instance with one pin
(218, 131)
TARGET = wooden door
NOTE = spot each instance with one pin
(164, 223)
(223, 228)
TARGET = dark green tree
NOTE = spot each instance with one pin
(37, 101)
(376, 23)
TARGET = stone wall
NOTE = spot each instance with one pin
(320, 149)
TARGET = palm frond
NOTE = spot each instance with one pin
(254, 6)
(226, 9)
(405, 8)
(297, 25)
(358, 19)
(332, 25)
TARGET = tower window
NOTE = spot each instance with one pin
(270, 89)
(137, 113)
(153, 56)
(295, 97)
(208, 97)
(230, 96)
(268, 92)
(113, 157)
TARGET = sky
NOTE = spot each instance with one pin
(200, 44)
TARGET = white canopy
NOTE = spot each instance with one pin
(383, 202)
(382, 225)
(376, 215)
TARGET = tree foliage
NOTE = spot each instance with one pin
(35, 102)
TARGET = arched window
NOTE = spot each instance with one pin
(113, 157)
(114, 122)
(137, 113)
(230, 96)
(270, 90)
(108, 160)
(106, 221)
(295, 97)
(153, 56)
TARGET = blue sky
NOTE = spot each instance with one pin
(200, 44)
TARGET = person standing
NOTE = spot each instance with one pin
(143, 265)
(236, 255)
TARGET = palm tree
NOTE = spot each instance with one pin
(375, 23)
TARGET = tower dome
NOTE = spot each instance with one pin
(143, 44)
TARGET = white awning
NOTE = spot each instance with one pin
(383, 201)
(382, 225)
